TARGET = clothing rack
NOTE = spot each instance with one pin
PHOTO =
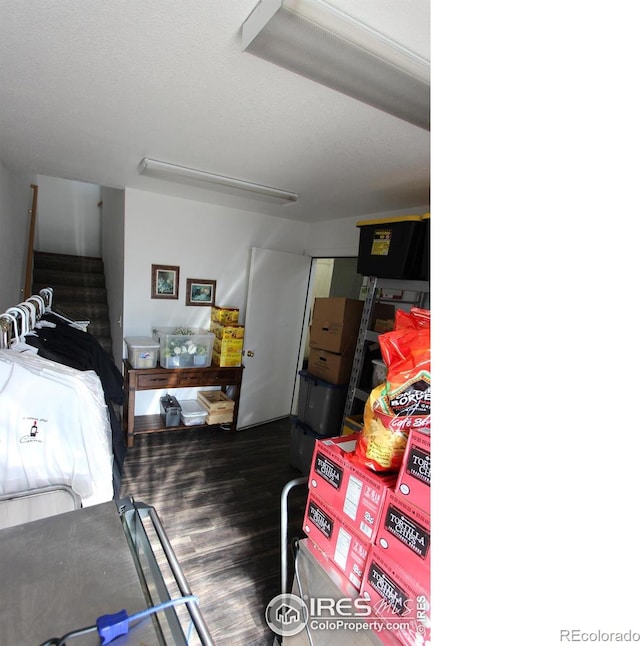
(20, 319)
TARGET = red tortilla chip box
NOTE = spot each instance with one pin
(343, 546)
(414, 478)
(404, 535)
(398, 598)
(348, 487)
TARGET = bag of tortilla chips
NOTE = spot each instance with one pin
(403, 401)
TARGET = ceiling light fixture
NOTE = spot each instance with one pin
(316, 40)
(175, 173)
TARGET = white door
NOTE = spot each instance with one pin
(274, 321)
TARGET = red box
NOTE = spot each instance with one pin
(398, 598)
(404, 535)
(340, 543)
(348, 487)
(414, 478)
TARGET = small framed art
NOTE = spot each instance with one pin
(165, 280)
(201, 292)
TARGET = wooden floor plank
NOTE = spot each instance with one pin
(218, 496)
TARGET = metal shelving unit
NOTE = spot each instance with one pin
(417, 292)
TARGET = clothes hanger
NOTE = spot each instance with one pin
(24, 328)
(40, 304)
(31, 311)
(12, 322)
(47, 295)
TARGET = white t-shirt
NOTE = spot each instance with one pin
(54, 428)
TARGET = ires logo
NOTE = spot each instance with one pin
(34, 431)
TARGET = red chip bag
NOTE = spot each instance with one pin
(403, 402)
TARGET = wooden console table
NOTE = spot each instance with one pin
(159, 378)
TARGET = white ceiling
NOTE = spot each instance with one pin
(88, 88)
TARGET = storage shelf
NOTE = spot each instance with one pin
(159, 378)
(155, 423)
(374, 296)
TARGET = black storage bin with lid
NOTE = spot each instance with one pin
(302, 445)
(321, 404)
(171, 409)
(396, 247)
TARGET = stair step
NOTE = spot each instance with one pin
(70, 294)
(78, 290)
(53, 277)
(66, 262)
(99, 327)
(81, 311)
(105, 342)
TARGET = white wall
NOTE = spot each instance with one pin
(15, 203)
(112, 227)
(68, 218)
(205, 241)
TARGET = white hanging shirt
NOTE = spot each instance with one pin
(54, 428)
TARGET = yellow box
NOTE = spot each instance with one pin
(352, 424)
(227, 360)
(227, 346)
(225, 314)
(227, 331)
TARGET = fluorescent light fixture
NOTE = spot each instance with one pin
(316, 40)
(175, 173)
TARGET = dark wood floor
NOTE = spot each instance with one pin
(218, 496)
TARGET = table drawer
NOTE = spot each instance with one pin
(219, 377)
(158, 380)
(190, 378)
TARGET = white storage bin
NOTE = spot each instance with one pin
(142, 351)
(192, 412)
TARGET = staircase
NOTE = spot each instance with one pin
(78, 290)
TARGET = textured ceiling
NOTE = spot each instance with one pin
(88, 88)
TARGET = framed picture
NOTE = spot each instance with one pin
(164, 281)
(201, 292)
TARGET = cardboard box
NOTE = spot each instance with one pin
(414, 477)
(227, 359)
(227, 346)
(227, 330)
(219, 406)
(335, 324)
(216, 401)
(404, 535)
(344, 547)
(352, 424)
(383, 317)
(333, 368)
(219, 418)
(225, 314)
(398, 598)
(348, 487)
